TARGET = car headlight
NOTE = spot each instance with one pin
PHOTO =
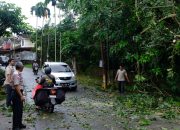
(73, 77)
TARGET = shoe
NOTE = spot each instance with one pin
(22, 126)
(16, 128)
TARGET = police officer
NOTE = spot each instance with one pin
(18, 97)
(8, 81)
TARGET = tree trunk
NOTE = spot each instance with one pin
(55, 32)
(48, 48)
(41, 59)
(74, 65)
(36, 35)
(104, 62)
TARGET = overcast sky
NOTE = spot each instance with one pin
(26, 8)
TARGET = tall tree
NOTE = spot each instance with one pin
(40, 10)
(12, 19)
(55, 31)
(137, 33)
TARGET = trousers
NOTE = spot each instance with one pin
(121, 85)
(17, 110)
(8, 90)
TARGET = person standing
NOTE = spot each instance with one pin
(121, 77)
(18, 97)
(8, 81)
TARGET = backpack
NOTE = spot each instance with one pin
(48, 82)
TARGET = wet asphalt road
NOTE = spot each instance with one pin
(83, 109)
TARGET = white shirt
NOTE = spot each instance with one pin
(9, 71)
(18, 79)
(121, 75)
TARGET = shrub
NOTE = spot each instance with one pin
(2, 75)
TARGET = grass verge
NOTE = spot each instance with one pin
(28, 65)
(88, 81)
(2, 93)
(143, 108)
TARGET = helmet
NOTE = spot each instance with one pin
(47, 70)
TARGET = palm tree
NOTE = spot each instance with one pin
(61, 6)
(53, 4)
(40, 10)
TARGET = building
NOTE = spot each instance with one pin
(19, 48)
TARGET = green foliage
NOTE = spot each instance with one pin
(177, 48)
(88, 80)
(144, 122)
(2, 74)
(40, 10)
(156, 71)
(118, 47)
(143, 35)
(2, 93)
(28, 65)
(137, 104)
(11, 18)
(140, 78)
(143, 105)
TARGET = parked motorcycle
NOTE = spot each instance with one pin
(47, 98)
(35, 70)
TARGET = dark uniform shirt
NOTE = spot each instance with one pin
(48, 81)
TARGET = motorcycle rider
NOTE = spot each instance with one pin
(41, 98)
(47, 80)
(35, 65)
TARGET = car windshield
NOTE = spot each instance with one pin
(60, 68)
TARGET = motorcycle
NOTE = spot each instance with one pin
(47, 98)
(35, 70)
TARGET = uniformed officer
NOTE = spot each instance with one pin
(18, 97)
(8, 81)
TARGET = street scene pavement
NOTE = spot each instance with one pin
(82, 110)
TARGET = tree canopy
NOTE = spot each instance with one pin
(144, 35)
(11, 20)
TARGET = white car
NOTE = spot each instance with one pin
(4, 60)
(64, 76)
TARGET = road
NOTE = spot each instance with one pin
(82, 109)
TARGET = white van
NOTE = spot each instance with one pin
(64, 76)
